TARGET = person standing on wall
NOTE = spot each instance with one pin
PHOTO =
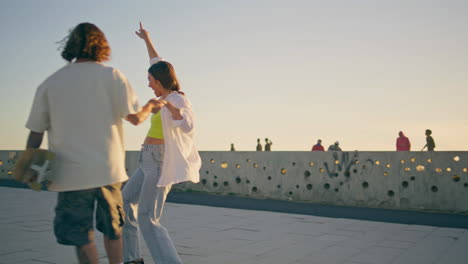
(430, 144)
(259, 146)
(168, 156)
(268, 144)
(403, 143)
(82, 107)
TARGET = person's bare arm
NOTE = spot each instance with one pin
(144, 35)
(141, 116)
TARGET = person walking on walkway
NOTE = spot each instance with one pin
(335, 147)
(82, 107)
(168, 156)
(268, 144)
(430, 144)
(403, 143)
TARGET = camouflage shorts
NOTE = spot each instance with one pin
(74, 214)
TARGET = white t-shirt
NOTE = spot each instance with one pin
(82, 106)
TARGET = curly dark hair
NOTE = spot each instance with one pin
(86, 41)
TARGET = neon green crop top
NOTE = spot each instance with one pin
(156, 129)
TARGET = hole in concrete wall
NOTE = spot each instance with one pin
(278, 186)
(326, 186)
(238, 180)
(456, 178)
(449, 169)
(290, 193)
(434, 188)
(336, 189)
(247, 181)
(402, 161)
(465, 170)
(377, 162)
(365, 185)
(413, 178)
(420, 168)
(321, 170)
(255, 165)
(9, 172)
(306, 173)
(269, 178)
(203, 181)
(1, 162)
(254, 189)
(284, 171)
(224, 165)
(429, 160)
(297, 186)
(225, 183)
(356, 162)
(216, 177)
(215, 184)
(346, 174)
(341, 183)
(337, 162)
(404, 184)
(385, 173)
(238, 166)
(407, 169)
(248, 160)
(465, 185)
(388, 166)
(391, 193)
(294, 164)
(438, 170)
(456, 158)
(354, 171)
(311, 164)
(364, 167)
(264, 168)
(212, 161)
(207, 172)
(309, 186)
(413, 160)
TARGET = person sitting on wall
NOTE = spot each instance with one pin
(318, 146)
(335, 147)
(403, 143)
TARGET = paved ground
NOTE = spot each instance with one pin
(212, 235)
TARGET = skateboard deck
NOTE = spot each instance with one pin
(33, 168)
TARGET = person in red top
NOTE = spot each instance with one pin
(318, 146)
(403, 143)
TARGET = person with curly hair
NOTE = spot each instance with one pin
(82, 107)
(168, 156)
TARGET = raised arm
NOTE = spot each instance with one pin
(144, 35)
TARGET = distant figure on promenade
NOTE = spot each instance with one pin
(403, 143)
(232, 147)
(259, 146)
(335, 147)
(268, 144)
(430, 144)
(168, 156)
(82, 106)
(318, 146)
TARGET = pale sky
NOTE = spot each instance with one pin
(292, 71)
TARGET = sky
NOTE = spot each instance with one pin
(353, 71)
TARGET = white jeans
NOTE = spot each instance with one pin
(143, 205)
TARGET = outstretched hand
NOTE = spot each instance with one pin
(142, 33)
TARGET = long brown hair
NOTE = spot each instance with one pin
(164, 72)
(86, 41)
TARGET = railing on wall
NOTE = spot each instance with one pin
(399, 180)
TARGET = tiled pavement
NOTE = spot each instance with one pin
(212, 235)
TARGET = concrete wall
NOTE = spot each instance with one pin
(400, 180)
